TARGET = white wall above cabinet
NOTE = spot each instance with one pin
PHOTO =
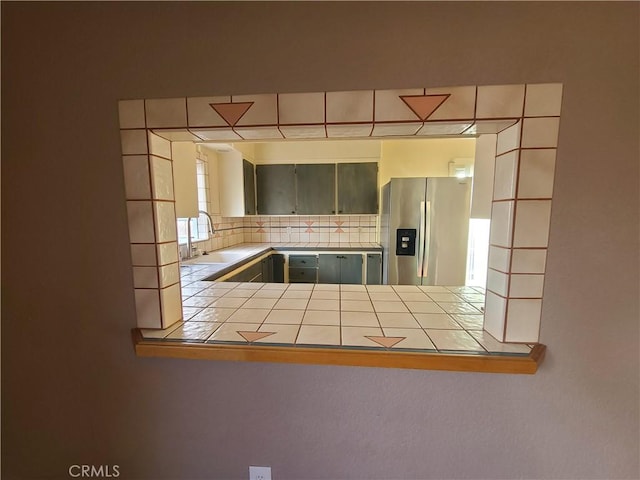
(321, 151)
(231, 184)
(184, 179)
(483, 172)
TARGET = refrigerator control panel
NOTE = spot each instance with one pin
(406, 241)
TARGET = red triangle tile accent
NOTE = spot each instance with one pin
(253, 336)
(385, 341)
(231, 112)
(309, 230)
(339, 230)
(338, 223)
(424, 105)
(261, 230)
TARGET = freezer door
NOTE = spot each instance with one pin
(406, 195)
(447, 231)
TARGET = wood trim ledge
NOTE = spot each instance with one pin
(517, 364)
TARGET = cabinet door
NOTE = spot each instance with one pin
(277, 264)
(374, 268)
(248, 177)
(276, 188)
(357, 188)
(328, 268)
(302, 275)
(351, 268)
(316, 189)
(267, 269)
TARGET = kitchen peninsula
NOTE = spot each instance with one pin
(408, 326)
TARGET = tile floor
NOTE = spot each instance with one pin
(400, 317)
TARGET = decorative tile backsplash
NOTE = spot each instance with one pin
(227, 233)
(343, 229)
(294, 229)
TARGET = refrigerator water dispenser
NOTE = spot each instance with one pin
(406, 241)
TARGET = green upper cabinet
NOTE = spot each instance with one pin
(276, 189)
(248, 176)
(316, 189)
(357, 188)
(310, 189)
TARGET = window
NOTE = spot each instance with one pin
(199, 226)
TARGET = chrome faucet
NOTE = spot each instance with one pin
(190, 247)
(209, 221)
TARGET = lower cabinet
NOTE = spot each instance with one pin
(267, 270)
(303, 269)
(314, 268)
(277, 268)
(374, 268)
(249, 274)
(343, 268)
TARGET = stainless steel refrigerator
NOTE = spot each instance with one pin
(424, 230)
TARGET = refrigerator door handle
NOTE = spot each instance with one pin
(427, 241)
(420, 264)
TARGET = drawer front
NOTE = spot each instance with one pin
(303, 261)
(302, 275)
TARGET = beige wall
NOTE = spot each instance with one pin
(72, 389)
(483, 171)
(312, 151)
(247, 149)
(214, 183)
(183, 155)
(423, 158)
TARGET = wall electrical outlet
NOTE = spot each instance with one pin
(259, 473)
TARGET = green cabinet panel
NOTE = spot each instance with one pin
(351, 268)
(303, 275)
(248, 174)
(276, 188)
(340, 268)
(303, 269)
(277, 268)
(250, 274)
(267, 269)
(357, 188)
(310, 189)
(328, 268)
(303, 261)
(374, 268)
(316, 189)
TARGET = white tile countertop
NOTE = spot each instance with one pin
(372, 317)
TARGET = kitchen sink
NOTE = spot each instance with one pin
(221, 257)
(217, 257)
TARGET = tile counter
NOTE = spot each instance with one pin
(419, 320)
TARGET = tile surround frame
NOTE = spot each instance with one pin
(525, 119)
